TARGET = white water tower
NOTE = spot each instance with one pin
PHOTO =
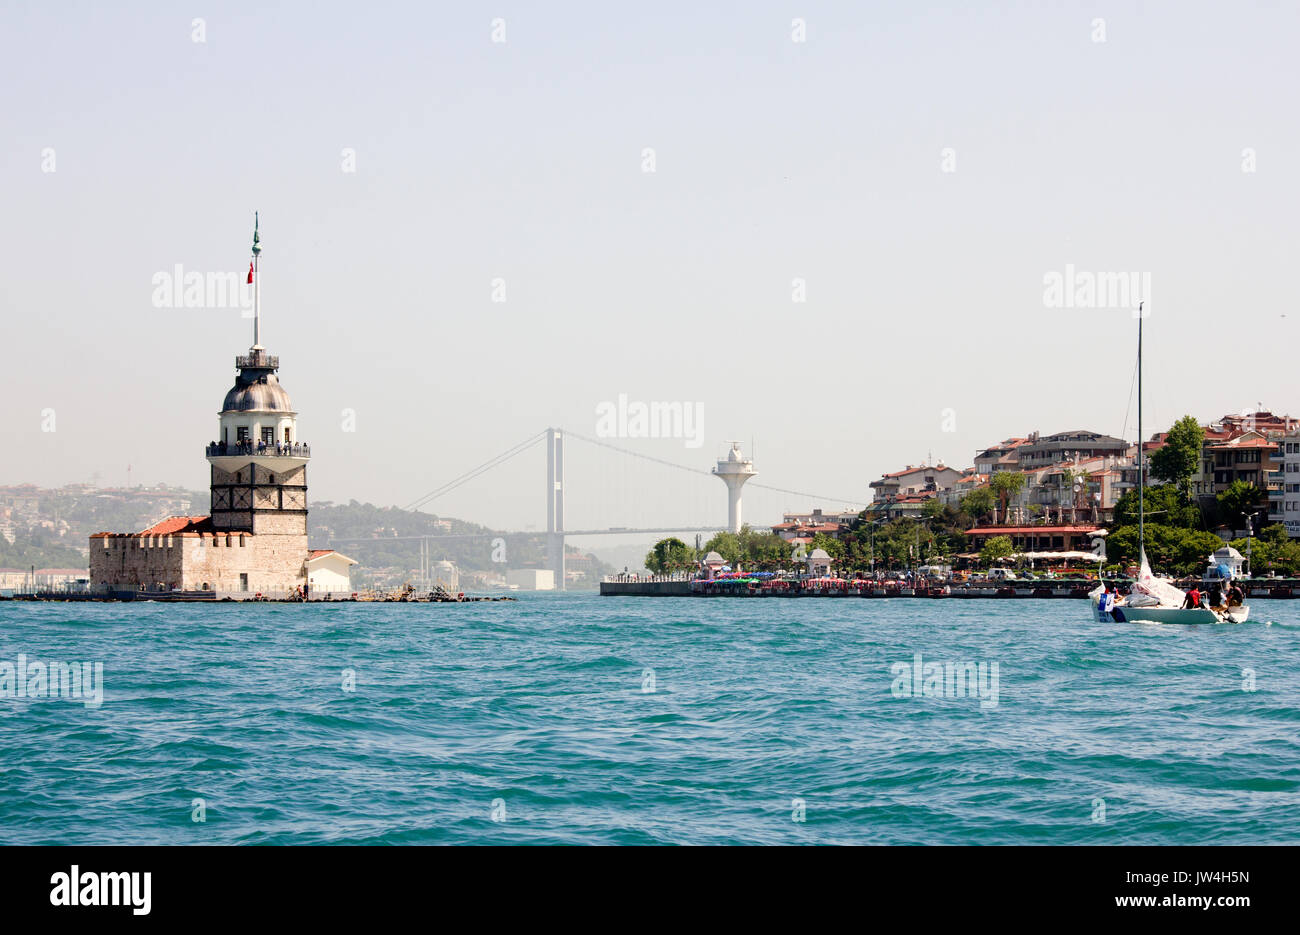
(734, 470)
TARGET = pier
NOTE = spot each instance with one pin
(622, 586)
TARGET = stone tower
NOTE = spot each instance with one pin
(254, 543)
(259, 468)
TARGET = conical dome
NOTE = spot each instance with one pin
(263, 393)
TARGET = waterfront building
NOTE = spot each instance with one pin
(795, 531)
(446, 575)
(918, 479)
(531, 579)
(819, 562)
(818, 517)
(1000, 457)
(1043, 451)
(328, 572)
(1288, 492)
(970, 480)
(254, 541)
(1083, 490)
(712, 564)
(1220, 466)
(908, 506)
(1247, 457)
(1069, 537)
(1230, 557)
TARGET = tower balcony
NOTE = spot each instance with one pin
(257, 360)
(276, 456)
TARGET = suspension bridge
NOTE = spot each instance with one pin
(703, 500)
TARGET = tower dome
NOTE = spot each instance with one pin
(262, 394)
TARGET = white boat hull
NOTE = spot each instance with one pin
(1169, 615)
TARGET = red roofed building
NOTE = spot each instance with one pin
(1060, 538)
(791, 531)
(999, 457)
(909, 506)
(914, 480)
(1247, 447)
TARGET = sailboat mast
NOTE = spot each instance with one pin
(1142, 465)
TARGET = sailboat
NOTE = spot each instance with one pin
(1152, 599)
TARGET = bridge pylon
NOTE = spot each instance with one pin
(555, 505)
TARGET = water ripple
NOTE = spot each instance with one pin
(576, 719)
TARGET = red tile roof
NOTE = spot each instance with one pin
(1245, 443)
(1028, 530)
(918, 469)
(176, 524)
(317, 553)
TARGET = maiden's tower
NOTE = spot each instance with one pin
(254, 543)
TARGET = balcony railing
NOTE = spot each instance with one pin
(264, 361)
(261, 449)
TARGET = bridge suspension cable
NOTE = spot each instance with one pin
(475, 472)
(683, 467)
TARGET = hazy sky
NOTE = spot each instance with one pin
(524, 161)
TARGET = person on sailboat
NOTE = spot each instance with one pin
(1236, 596)
(1193, 599)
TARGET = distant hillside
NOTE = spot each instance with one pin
(378, 528)
(50, 528)
(370, 534)
(40, 548)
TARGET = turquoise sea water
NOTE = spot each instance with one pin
(761, 711)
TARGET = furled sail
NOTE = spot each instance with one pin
(1159, 588)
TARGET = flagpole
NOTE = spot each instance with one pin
(257, 285)
(1142, 464)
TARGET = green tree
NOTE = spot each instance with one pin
(1274, 533)
(669, 555)
(1170, 550)
(997, 547)
(1180, 458)
(726, 544)
(1240, 499)
(1271, 552)
(834, 547)
(1164, 504)
(752, 550)
(1006, 484)
(979, 503)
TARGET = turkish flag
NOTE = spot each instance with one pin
(250, 271)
